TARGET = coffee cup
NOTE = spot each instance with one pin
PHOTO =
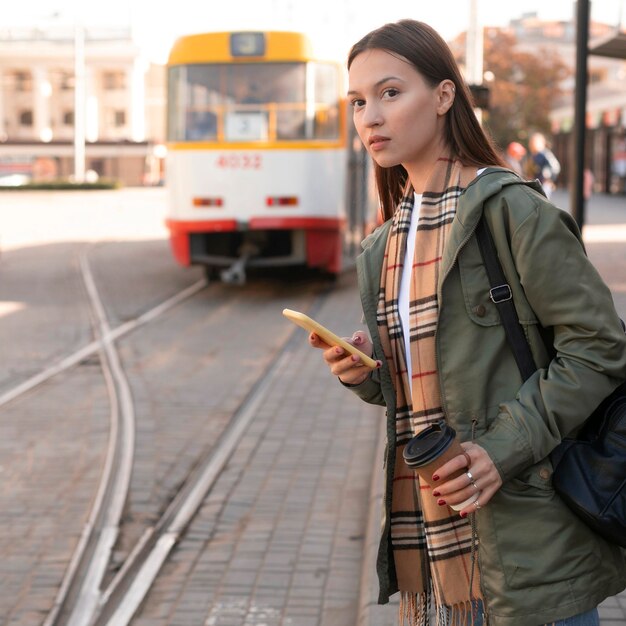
(430, 449)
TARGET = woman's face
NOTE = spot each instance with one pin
(398, 115)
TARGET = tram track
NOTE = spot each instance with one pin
(93, 553)
(121, 600)
(82, 599)
(128, 590)
(118, 603)
(79, 595)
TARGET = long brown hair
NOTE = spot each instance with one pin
(425, 49)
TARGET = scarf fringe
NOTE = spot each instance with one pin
(415, 610)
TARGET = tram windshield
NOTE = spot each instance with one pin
(253, 102)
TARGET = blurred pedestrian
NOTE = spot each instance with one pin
(589, 180)
(514, 554)
(545, 167)
(515, 153)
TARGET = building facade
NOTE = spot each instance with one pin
(122, 111)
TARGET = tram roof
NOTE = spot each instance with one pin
(217, 48)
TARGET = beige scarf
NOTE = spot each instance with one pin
(431, 543)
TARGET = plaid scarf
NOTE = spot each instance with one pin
(431, 543)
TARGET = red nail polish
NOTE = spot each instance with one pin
(436, 493)
(441, 502)
(435, 477)
(463, 514)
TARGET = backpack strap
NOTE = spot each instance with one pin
(502, 296)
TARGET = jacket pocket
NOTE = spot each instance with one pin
(476, 290)
(475, 284)
(539, 541)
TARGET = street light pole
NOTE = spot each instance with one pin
(474, 51)
(580, 113)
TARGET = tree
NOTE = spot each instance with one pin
(525, 86)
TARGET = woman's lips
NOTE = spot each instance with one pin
(377, 142)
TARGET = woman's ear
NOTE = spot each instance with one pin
(446, 92)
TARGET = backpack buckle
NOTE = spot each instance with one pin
(501, 293)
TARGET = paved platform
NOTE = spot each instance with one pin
(288, 535)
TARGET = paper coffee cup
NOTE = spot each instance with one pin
(430, 449)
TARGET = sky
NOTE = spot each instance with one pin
(333, 25)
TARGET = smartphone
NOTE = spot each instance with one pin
(328, 336)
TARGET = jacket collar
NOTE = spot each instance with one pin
(485, 186)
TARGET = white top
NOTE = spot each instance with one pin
(405, 282)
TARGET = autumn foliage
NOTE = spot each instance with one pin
(526, 85)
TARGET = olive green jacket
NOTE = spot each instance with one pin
(538, 562)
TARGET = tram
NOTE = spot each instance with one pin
(263, 165)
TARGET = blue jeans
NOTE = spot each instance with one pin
(590, 618)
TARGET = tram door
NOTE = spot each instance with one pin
(359, 198)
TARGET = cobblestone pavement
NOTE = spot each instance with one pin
(279, 539)
(287, 535)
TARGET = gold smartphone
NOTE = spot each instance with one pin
(328, 336)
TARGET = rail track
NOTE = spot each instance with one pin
(86, 597)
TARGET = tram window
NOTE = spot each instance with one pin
(241, 102)
(200, 125)
(193, 100)
(326, 101)
(291, 124)
(265, 83)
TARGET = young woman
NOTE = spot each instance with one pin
(516, 556)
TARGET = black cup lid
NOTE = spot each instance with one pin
(428, 444)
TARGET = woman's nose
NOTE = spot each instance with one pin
(372, 116)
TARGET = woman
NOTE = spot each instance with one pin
(444, 355)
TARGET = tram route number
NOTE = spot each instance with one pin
(239, 161)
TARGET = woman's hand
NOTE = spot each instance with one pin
(347, 367)
(479, 474)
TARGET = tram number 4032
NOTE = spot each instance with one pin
(236, 161)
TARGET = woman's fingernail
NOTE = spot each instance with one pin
(464, 514)
(435, 477)
(436, 493)
(441, 502)
(355, 358)
(379, 363)
(338, 350)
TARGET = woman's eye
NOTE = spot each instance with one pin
(357, 103)
(390, 93)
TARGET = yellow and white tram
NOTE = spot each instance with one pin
(263, 167)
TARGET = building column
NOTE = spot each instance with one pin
(42, 89)
(136, 85)
(92, 127)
